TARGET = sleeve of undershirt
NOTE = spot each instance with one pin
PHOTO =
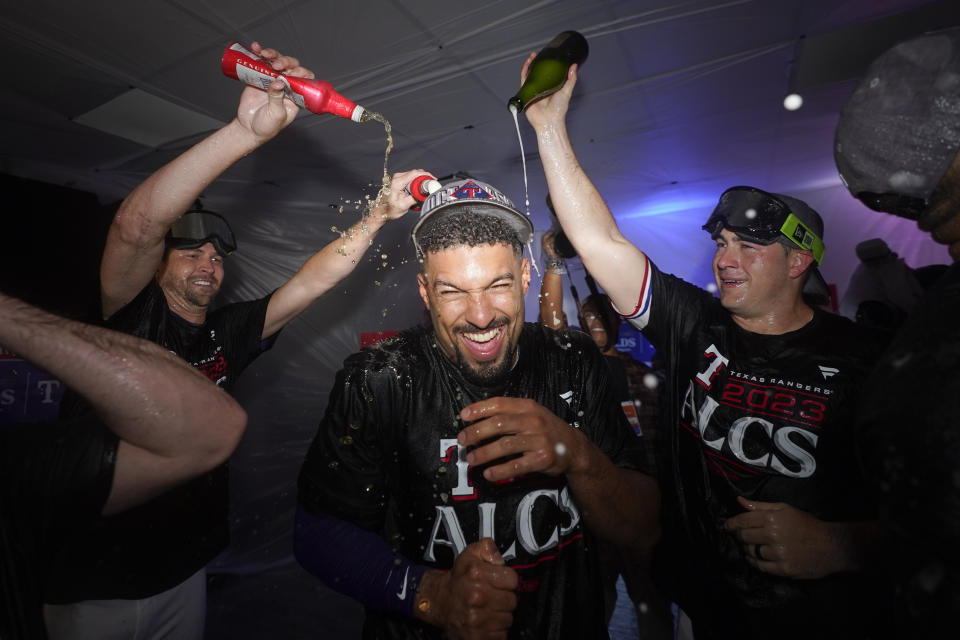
(356, 562)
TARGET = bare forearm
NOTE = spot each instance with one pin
(339, 258)
(321, 272)
(619, 505)
(161, 199)
(551, 300)
(579, 206)
(616, 264)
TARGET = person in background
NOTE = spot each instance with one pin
(637, 388)
(767, 529)
(883, 288)
(141, 574)
(157, 423)
(896, 148)
(465, 470)
(635, 384)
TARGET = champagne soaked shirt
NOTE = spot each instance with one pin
(386, 458)
(769, 418)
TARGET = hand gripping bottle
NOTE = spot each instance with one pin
(420, 188)
(318, 96)
(548, 71)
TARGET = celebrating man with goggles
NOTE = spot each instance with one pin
(765, 526)
(143, 572)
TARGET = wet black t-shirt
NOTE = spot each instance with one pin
(769, 418)
(386, 458)
(161, 543)
(53, 478)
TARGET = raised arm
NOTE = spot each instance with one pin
(551, 287)
(172, 422)
(134, 245)
(338, 259)
(617, 265)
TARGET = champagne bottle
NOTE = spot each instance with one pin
(318, 96)
(548, 71)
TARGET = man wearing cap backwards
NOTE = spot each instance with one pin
(463, 470)
(765, 525)
(898, 150)
(143, 571)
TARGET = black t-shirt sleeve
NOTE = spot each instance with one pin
(344, 470)
(676, 307)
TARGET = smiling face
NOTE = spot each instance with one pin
(753, 279)
(475, 298)
(190, 278)
(594, 326)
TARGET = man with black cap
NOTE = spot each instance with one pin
(765, 525)
(142, 572)
(463, 471)
(898, 150)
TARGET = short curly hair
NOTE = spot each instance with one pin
(462, 227)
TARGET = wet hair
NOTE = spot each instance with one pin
(462, 227)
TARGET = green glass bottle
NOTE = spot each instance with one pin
(548, 71)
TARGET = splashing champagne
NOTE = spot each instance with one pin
(240, 63)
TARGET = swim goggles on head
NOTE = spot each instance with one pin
(763, 217)
(196, 228)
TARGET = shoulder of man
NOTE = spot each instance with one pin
(852, 338)
(406, 351)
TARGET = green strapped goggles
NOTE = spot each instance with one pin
(794, 229)
(764, 218)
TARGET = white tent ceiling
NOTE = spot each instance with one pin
(677, 100)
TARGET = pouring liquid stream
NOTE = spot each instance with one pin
(526, 188)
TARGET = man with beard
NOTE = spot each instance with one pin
(898, 150)
(141, 573)
(463, 471)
